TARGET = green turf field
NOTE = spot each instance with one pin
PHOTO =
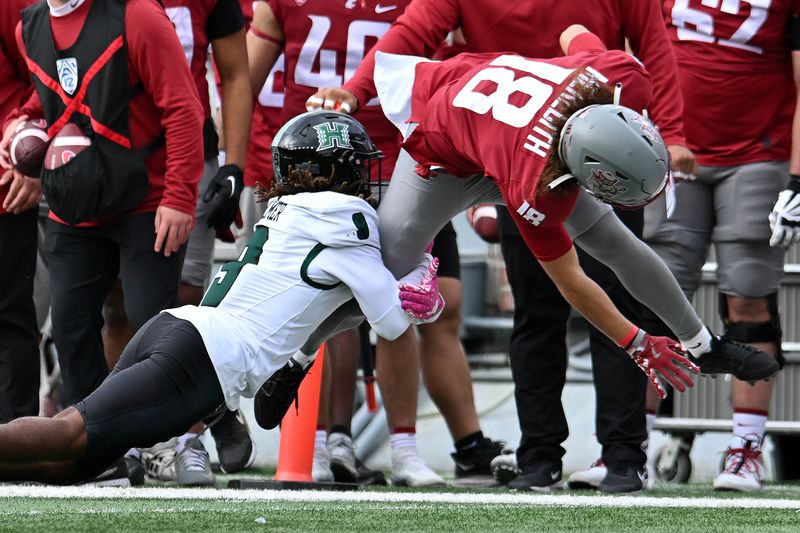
(673, 509)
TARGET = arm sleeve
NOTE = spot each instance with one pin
(376, 292)
(224, 20)
(642, 273)
(419, 31)
(586, 42)
(647, 33)
(157, 57)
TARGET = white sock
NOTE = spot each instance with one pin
(699, 344)
(133, 452)
(321, 439)
(182, 440)
(649, 420)
(406, 441)
(303, 359)
(747, 427)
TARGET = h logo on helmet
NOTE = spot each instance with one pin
(333, 135)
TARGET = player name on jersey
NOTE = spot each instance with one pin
(540, 140)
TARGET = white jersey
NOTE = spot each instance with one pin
(310, 253)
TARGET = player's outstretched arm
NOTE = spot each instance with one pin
(659, 357)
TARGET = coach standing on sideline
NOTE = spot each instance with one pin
(140, 101)
(538, 350)
(19, 358)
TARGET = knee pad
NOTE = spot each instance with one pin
(749, 332)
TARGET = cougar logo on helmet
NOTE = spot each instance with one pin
(603, 183)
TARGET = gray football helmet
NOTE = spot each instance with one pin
(616, 154)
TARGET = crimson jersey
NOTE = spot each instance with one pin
(492, 114)
(532, 28)
(736, 77)
(197, 22)
(266, 121)
(325, 41)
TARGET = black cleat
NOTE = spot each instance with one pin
(277, 394)
(624, 477)
(369, 477)
(473, 466)
(544, 476)
(135, 471)
(234, 446)
(740, 360)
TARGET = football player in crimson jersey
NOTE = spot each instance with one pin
(502, 128)
(738, 74)
(538, 350)
(19, 360)
(323, 43)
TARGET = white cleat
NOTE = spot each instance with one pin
(321, 468)
(342, 458)
(589, 478)
(409, 470)
(159, 461)
(744, 468)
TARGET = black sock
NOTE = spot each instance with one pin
(341, 429)
(470, 441)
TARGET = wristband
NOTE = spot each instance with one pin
(627, 339)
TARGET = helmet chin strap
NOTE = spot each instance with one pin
(559, 180)
(617, 93)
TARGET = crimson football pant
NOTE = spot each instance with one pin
(19, 356)
(84, 262)
(539, 360)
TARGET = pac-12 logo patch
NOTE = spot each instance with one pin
(333, 135)
(68, 74)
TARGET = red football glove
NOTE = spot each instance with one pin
(661, 358)
(423, 303)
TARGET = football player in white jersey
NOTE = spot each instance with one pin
(316, 247)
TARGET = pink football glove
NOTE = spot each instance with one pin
(661, 358)
(422, 302)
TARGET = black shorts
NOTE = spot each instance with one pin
(163, 384)
(445, 247)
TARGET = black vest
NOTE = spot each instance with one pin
(109, 92)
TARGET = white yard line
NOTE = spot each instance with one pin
(313, 496)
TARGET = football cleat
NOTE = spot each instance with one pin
(544, 476)
(474, 465)
(159, 461)
(368, 476)
(277, 394)
(504, 468)
(343, 458)
(321, 467)
(740, 360)
(624, 477)
(409, 470)
(589, 478)
(235, 448)
(744, 469)
(192, 465)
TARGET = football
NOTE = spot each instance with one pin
(28, 147)
(484, 222)
(67, 143)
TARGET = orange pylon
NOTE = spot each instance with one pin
(298, 427)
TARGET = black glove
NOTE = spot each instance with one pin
(222, 195)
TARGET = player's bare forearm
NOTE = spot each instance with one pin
(586, 296)
(794, 163)
(237, 103)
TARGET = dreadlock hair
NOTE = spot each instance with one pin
(302, 180)
(585, 94)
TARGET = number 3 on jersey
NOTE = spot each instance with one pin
(357, 35)
(227, 275)
(697, 25)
